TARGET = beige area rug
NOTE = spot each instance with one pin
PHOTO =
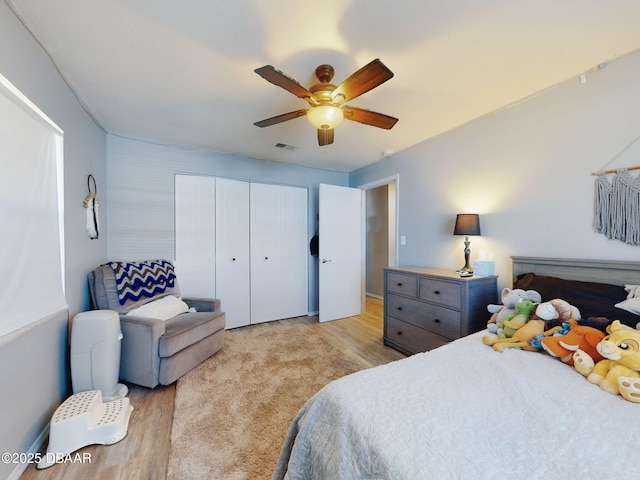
(233, 411)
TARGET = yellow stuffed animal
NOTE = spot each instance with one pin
(619, 372)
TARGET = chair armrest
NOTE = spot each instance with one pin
(204, 304)
(139, 358)
(155, 325)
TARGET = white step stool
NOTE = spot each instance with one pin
(83, 419)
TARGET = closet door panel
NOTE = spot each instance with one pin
(195, 235)
(244, 243)
(265, 252)
(294, 244)
(232, 250)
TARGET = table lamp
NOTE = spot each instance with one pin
(467, 224)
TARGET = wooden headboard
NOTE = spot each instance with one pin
(614, 272)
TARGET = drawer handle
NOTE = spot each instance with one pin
(437, 320)
(399, 308)
(437, 292)
(399, 332)
(399, 284)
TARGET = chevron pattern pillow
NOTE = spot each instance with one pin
(135, 280)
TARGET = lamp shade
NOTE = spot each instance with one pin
(325, 117)
(467, 224)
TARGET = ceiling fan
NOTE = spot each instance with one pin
(326, 99)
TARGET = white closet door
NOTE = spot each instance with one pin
(294, 247)
(195, 235)
(244, 243)
(232, 250)
(265, 252)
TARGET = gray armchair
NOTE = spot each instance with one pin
(155, 351)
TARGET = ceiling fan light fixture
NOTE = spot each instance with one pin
(326, 100)
(325, 117)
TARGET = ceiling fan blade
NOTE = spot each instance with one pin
(368, 117)
(280, 118)
(325, 137)
(370, 76)
(270, 74)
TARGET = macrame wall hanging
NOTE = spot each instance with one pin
(617, 203)
(91, 206)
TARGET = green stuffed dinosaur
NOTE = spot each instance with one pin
(511, 323)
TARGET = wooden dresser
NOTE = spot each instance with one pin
(425, 308)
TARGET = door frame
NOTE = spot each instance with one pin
(393, 182)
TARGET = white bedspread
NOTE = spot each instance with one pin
(464, 411)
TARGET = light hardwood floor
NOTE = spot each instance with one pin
(143, 453)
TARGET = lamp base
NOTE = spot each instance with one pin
(466, 271)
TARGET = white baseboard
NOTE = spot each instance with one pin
(31, 453)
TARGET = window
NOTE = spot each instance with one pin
(31, 213)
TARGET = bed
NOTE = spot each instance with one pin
(465, 411)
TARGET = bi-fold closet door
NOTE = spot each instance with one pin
(232, 246)
(279, 252)
(195, 235)
(244, 243)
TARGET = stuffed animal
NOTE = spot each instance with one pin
(509, 299)
(546, 312)
(520, 339)
(512, 326)
(619, 371)
(511, 323)
(564, 312)
(576, 337)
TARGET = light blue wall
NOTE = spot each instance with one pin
(34, 365)
(526, 170)
(140, 194)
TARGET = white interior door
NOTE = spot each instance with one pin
(195, 235)
(340, 254)
(232, 250)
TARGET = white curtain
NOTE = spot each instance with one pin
(30, 254)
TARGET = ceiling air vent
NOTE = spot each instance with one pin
(285, 146)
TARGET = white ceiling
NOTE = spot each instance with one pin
(182, 72)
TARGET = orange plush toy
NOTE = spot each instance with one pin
(578, 337)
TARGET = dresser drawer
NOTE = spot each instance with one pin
(410, 338)
(402, 283)
(425, 308)
(440, 320)
(439, 291)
